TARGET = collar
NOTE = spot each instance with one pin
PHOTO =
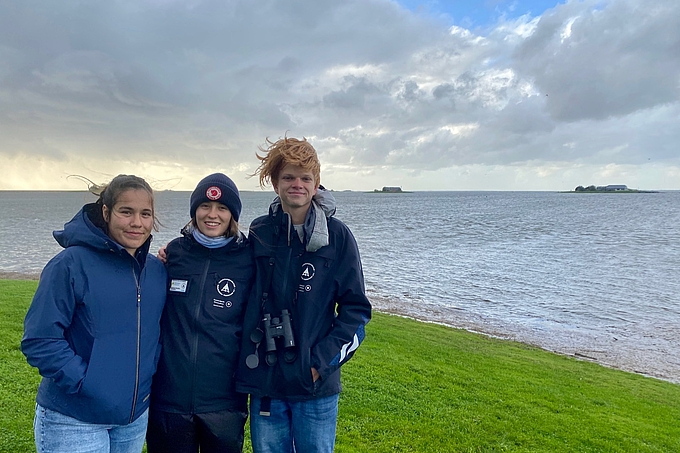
(315, 226)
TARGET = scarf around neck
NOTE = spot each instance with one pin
(316, 223)
(207, 241)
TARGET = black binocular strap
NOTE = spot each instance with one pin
(266, 401)
(268, 284)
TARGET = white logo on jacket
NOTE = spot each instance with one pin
(348, 348)
(221, 303)
(226, 287)
(307, 271)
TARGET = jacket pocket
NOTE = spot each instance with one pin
(307, 371)
(109, 378)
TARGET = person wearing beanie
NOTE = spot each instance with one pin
(194, 404)
(220, 188)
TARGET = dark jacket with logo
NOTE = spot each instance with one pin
(325, 296)
(201, 326)
(93, 327)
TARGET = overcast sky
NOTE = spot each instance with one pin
(438, 95)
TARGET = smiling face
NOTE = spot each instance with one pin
(296, 187)
(131, 219)
(213, 219)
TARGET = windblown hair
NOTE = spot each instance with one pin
(286, 151)
(111, 192)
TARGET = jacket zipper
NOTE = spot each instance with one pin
(286, 268)
(139, 340)
(194, 348)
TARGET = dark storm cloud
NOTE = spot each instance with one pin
(594, 63)
(375, 84)
(141, 71)
(354, 96)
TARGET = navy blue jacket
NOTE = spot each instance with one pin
(94, 324)
(201, 327)
(324, 293)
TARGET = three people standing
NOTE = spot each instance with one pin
(290, 296)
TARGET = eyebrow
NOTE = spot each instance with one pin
(131, 208)
(310, 175)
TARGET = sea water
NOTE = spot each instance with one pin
(592, 275)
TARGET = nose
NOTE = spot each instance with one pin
(213, 211)
(136, 219)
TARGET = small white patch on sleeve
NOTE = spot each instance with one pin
(178, 286)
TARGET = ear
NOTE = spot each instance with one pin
(275, 185)
(105, 213)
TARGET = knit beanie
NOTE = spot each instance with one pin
(216, 187)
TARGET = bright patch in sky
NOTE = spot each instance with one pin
(479, 14)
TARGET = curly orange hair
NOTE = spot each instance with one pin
(286, 151)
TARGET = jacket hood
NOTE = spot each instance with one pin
(81, 231)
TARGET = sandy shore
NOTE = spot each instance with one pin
(623, 353)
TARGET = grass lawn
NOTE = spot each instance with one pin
(416, 387)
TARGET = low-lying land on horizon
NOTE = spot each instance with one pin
(611, 188)
(611, 191)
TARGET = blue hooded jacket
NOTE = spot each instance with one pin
(94, 324)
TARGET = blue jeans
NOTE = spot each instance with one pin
(59, 433)
(302, 426)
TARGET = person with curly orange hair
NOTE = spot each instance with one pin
(306, 315)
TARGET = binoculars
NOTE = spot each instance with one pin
(278, 328)
(273, 329)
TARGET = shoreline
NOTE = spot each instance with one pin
(612, 351)
(608, 349)
(8, 275)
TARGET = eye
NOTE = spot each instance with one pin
(204, 206)
(223, 208)
(147, 214)
(287, 178)
(307, 179)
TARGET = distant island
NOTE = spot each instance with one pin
(611, 188)
(390, 189)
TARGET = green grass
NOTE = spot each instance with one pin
(416, 387)
(18, 381)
